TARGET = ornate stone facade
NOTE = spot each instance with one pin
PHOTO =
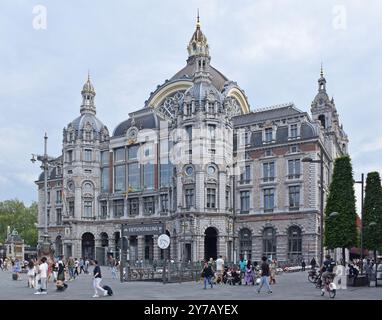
(223, 180)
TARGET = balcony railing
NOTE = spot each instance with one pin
(294, 176)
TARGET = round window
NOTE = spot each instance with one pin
(189, 171)
(211, 170)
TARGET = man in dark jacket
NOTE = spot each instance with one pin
(207, 273)
(313, 263)
(264, 275)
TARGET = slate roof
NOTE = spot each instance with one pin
(260, 115)
(217, 78)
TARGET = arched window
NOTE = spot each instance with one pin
(294, 243)
(269, 242)
(245, 238)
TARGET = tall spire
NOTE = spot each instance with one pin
(322, 81)
(198, 44)
(322, 71)
(88, 94)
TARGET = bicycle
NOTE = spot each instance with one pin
(313, 276)
(329, 287)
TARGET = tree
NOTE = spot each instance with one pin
(372, 215)
(16, 215)
(341, 229)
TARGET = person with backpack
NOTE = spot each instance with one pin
(97, 278)
(264, 275)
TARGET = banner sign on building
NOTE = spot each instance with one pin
(142, 229)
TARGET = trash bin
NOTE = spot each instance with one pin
(14, 276)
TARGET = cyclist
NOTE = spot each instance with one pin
(327, 269)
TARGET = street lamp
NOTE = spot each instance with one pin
(321, 162)
(362, 190)
(46, 161)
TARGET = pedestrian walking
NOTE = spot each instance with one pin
(313, 263)
(368, 271)
(242, 265)
(97, 278)
(71, 269)
(43, 272)
(113, 264)
(31, 274)
(219, 268)
(76, 267)
(207, 274)
(249, 274)
(273, 269)
(82, 264)
(87, 262)
(264, 275)
(60, 283)
(303, 265)
(1, 264)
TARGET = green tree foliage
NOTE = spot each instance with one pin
(372, 234)
(15, 214)
(341, 230)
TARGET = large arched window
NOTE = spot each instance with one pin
(245, 238)
(269, 242)
(294, 243)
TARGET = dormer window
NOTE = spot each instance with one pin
(88, 135)
(293, 131)
(268, 134)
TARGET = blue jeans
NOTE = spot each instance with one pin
(264, 280)
(207, 280)
(114, 272)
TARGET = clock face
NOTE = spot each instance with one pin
(189, 171)
(133, 134)
(163, 241)
(71, 186)
(211, 170)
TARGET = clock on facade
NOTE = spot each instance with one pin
(189, 171)
(211, 170)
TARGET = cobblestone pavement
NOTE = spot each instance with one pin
(289, 286)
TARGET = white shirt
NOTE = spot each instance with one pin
(43, 270)
(219, 264)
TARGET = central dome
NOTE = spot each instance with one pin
(217, 78)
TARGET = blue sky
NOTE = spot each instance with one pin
(273, 49)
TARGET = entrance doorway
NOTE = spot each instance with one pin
(88, 245)
(210, 243)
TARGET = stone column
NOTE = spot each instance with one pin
(199, 191)
(156, 253)
(221, 190)
(78, 204)
(141, 247)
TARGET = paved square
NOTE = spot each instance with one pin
(289, 286)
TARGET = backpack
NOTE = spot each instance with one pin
(108, 289)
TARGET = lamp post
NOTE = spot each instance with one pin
(46, 162)
(362, 191)
(321, 162)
